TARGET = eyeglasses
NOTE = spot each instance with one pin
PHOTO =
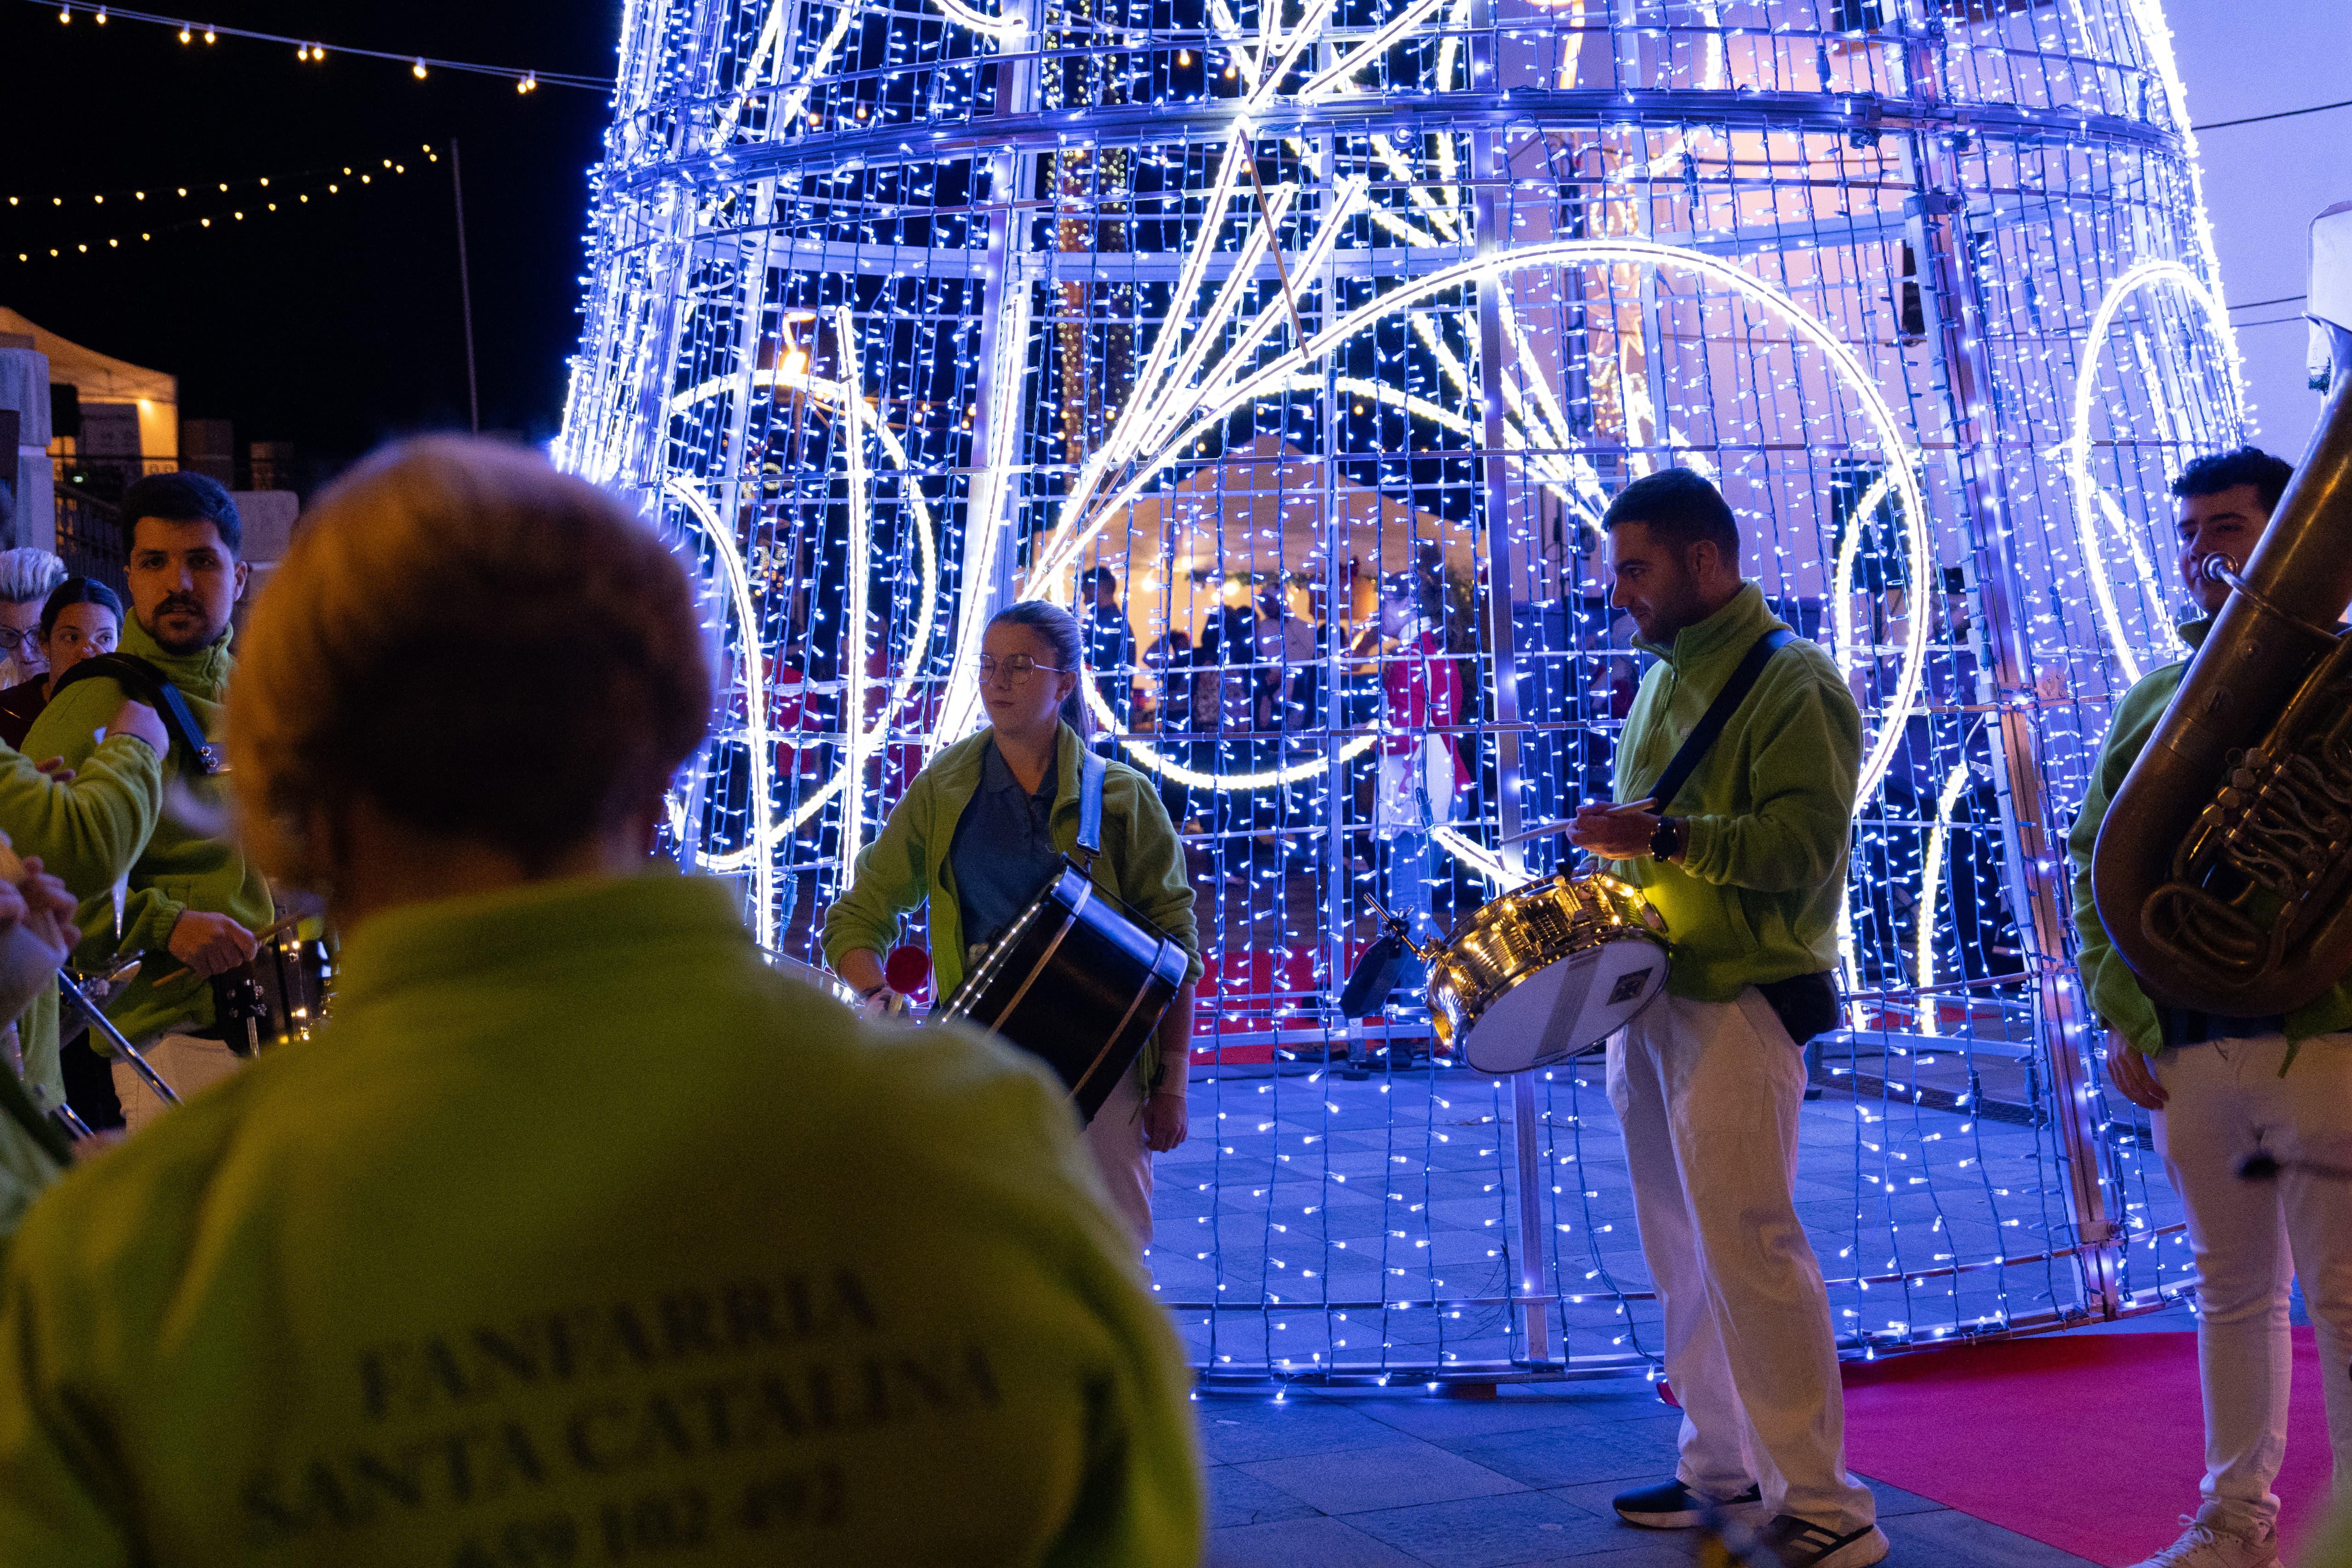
(13, 640)
(1015, 670)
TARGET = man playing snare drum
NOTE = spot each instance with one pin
(1747, 862)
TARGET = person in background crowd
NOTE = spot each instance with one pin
(978, 835)
(1170, 660)
(1746, 864)
(2220, 1088)
(190, 891)
(330, 1279)
(1421, 775)
(1110, 644)
(27, 577)
(81, 618)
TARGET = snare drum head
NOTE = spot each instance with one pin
(1559, 1010)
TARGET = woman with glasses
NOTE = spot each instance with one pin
(27, 577)
(82, 619)
(977, 834)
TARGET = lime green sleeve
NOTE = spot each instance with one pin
(68, 726)
(1801, 781)
(892, 876)
(86, 832)
(2114, 991)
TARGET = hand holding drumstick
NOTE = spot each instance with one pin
(1615, 832)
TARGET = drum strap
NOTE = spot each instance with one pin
(1703, 735)
(144, 682)
(1090, 788)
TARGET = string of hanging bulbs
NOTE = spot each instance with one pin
(262, 195)
(310, 51)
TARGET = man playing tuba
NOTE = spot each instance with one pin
(2219, 1089)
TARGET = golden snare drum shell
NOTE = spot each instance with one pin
(1541, 972)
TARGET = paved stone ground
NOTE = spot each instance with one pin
(1519, 1480)
(1301, 1193)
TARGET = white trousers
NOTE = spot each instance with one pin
(1708, 1094)
(188, 1062)
(2226, 1100)
(1115, 1138)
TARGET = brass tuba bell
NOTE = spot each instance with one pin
(2224, 869)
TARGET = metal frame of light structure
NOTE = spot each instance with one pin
(1379, 158)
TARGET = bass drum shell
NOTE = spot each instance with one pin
(1545, 971)
(1077, 981)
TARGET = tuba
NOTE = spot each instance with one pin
(2223, 869)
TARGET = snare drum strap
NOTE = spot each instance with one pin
(1090, 788)
(1701, 740)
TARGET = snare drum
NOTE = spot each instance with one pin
(280, 997)
(1537, 975)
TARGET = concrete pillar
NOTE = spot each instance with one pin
(28, 508)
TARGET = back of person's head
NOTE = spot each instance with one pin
(481, 648)
(182, 497)
(1096, 578)
(1059, 629)
(1680, 508)
(28, 576)
(78, 591)
(2218, 471)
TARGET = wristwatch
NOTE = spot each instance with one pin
(1667, 842)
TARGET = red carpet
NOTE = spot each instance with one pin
(2093, 1444)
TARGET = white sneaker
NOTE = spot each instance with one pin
(2207, 1543)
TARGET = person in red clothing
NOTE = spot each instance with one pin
(1420, 772)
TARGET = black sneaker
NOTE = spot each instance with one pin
(1796, 1543)
(1670, 1505)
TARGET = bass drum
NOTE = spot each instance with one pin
(1537, 975)
(1078, 982)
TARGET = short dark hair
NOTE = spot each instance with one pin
(2218, 471)
(182, 497)
(1094, 576)
(78, 591)
(1680, 508)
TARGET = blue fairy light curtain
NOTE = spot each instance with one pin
(1299, 345)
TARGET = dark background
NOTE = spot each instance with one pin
(336, 325)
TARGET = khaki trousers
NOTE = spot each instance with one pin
(1709, 1093)
(1115, 1138)
(188, 1062)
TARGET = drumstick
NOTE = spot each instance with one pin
(273, 928)
(1551, 828)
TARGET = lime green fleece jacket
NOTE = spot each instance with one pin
(84, 832)
(1755, 898)
(1142, 862)
(2114, 991)
(730, 1277)
(185, 864)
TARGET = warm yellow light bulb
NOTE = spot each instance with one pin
(185, 35)
(208, 35)
(417, 70)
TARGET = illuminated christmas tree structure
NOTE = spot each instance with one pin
(900, 309)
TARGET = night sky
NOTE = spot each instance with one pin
(334, 325)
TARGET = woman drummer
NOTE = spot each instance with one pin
(977, 835)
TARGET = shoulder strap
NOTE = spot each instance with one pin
(143, 681)
(1701, 738)
(1090, 788)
